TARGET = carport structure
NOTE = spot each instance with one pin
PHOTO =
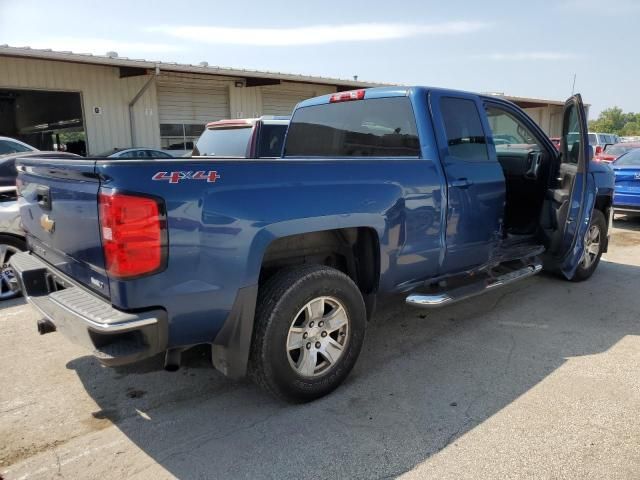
(104, 102)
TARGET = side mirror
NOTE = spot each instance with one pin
(598, 149)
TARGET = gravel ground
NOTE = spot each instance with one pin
(539, 380)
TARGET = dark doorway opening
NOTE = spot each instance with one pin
(44, 119)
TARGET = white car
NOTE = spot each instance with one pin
(11, 145)
(11, 239)
(600, 140)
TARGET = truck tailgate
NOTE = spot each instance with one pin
(59, 210)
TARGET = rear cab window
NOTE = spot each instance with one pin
(376, 127)
(224, 142)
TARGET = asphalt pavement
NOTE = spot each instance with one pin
(538, 380)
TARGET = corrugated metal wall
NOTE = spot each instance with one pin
(549, 118)
(246, 102)
(281, 99)
(171, 98)
(185, 98)
(100, 86)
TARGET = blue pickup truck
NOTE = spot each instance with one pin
(277, 263)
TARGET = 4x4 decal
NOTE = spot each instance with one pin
(174, 177)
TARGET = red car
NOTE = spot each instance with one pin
(612, 152)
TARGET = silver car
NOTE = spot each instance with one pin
(12, 237)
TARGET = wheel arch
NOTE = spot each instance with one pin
(230, 348)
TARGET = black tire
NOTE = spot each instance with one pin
(279, 301)
(584, 272)
(15, 243)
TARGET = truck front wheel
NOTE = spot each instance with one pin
(309, 329)
(594, 242)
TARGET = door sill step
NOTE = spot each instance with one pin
(448, 297)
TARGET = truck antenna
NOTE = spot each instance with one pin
(573, 87)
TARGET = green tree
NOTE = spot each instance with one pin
(614, 120)
(631, 129)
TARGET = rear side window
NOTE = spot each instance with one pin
(7, 146)
(593, 140)
(271, 140)
(379, 127)
(224, 142)
(465, 136)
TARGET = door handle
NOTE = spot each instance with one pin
(461, 183)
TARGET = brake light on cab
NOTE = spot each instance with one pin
(134, 234)
(347, 96)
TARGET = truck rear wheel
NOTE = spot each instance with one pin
(309, 329)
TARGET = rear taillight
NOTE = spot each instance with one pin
(347, 96)
(598, 150)
(134, 236)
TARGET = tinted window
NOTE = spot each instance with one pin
(465, 136)
(571, 144)
(380, 127)
(631, 159)
(132, 154)
(224, 142)
(271, 140)
(7, 146)
(158, 154)
(8, 173)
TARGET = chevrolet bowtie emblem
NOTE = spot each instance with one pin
(47, 223)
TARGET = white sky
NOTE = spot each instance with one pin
(520, 48)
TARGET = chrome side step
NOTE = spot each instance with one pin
(440, 299)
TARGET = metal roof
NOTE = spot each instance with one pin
(117, 61)
(205, 69)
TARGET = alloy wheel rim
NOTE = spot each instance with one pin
(591, 246)
(6, 272)
(318, 337)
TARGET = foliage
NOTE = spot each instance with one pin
(614, 120)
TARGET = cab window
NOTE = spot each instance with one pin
(379, 127)
(509, 131)
(465, 136)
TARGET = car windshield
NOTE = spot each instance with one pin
(617, 149)
(631, 159)
(224, 142)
